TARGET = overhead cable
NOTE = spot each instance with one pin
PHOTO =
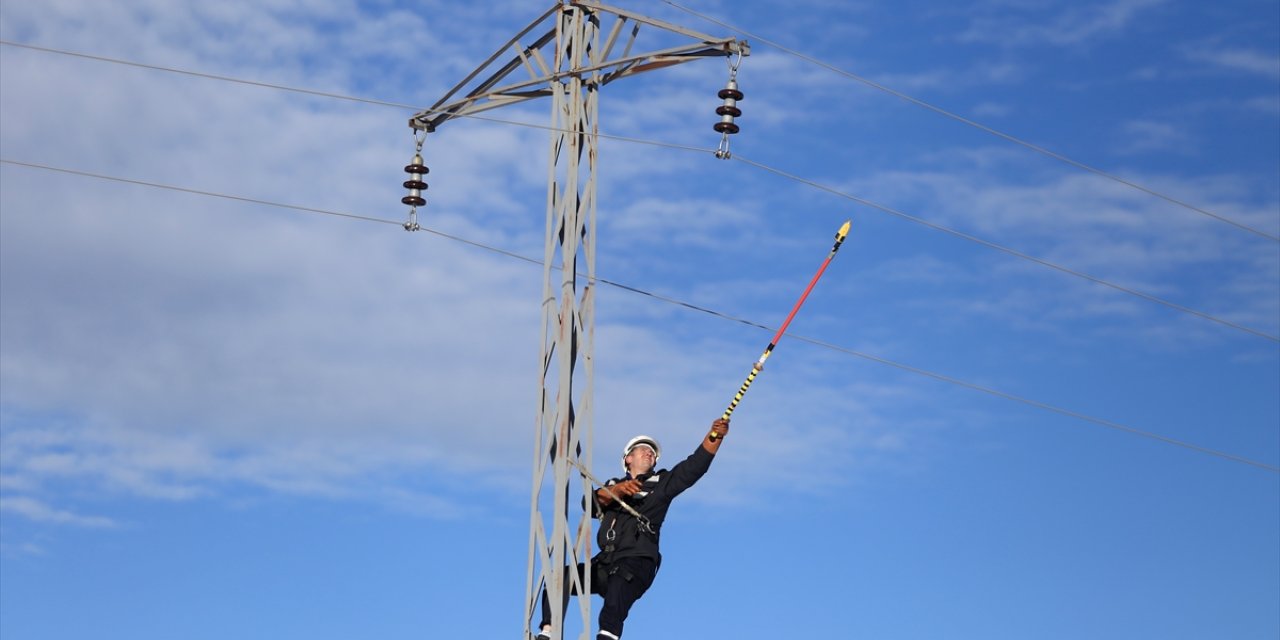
(674, 301)
(209, 76)
(979, 126)
(1013, 252)
(326, 94)
(890, 210)
(211, 194)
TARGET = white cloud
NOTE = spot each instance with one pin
(992, 110)
(37, 511)
(1147, 136)
(195, 345)
(1097, 227)
(180, 348)
(1269, 105)
(1075, 25)
(1248, 61)
(693, 221)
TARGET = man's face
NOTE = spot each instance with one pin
(640, 460)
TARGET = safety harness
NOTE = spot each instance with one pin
(644, 524)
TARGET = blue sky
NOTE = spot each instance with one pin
(227, 419)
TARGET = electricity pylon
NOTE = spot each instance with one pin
(567, 54)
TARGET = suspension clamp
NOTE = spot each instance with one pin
(728, 109)
(416, 170)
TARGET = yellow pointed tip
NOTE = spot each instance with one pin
(844, 229)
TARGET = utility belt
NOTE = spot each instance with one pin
(611, 544)
(605, 566)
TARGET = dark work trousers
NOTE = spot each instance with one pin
(621, 582)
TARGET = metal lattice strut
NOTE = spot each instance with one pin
(567, 55)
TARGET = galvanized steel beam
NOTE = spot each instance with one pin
(562, 58)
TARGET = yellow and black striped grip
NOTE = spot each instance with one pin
(742, 391)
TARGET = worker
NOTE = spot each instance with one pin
(628, 559)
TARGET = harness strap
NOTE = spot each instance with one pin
(645, 525)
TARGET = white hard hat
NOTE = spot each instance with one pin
(641, 441)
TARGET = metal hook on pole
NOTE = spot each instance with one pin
(733, 66)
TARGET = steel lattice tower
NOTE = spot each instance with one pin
(569, 61)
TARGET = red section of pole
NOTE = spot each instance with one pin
(759, 365)
(785, 323)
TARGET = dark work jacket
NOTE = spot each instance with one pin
(620, 534)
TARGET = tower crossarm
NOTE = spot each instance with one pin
(504, 84)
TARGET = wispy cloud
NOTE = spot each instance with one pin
(1105, 230)
(195, 348)
(1268, 105)
(1146, 136)
(1077, 24)
(949, 79)
(37, 511)
(1247, 61)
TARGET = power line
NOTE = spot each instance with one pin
(209, 76)
(677, 302)
(211, 194)
(977, 125)
(325, 94)
(804, 181)
(685, 147)
(1013, 252)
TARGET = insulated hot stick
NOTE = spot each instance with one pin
(759, 365)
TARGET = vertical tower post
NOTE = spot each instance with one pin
(565, 411)
(568, 62)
